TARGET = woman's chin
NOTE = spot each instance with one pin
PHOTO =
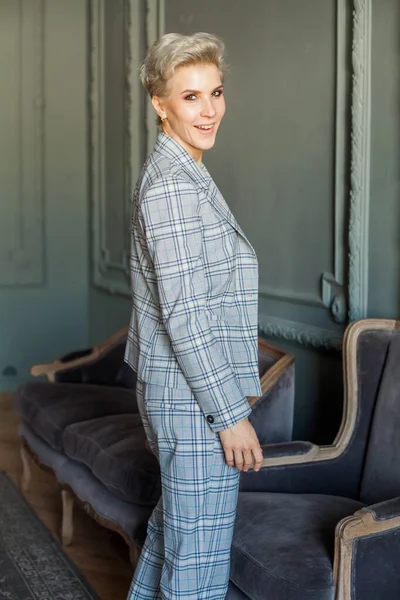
(206, 144)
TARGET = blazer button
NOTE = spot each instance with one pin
(210, 419)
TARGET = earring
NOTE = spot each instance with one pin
(162, 119)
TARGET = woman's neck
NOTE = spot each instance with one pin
(195, 153)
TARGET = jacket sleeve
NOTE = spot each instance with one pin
(173, 231)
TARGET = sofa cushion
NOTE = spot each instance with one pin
(113, 447)
(124, 517)
(50, 407)
(283, 544)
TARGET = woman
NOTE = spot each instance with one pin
(193, 331)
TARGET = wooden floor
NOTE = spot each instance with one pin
(100, 555)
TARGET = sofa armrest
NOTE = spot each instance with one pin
(382, 511)
(367, 546)
(287, 467)
(286, 452)
(79, 359)
(301, 467)
(271, 376)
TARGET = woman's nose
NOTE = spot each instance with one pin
(208, 108)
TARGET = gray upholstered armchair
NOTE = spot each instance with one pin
(323, 522)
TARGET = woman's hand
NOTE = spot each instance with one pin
(241, 446)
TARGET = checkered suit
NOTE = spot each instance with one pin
(193, 343)
(195, 288)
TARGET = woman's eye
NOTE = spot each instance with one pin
(190, 97)
(217, 93)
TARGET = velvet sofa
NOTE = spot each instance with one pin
(83, 425)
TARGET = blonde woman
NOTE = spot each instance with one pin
(193, 331)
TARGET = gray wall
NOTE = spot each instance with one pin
(44, 251)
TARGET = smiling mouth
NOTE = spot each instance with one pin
(205, 127)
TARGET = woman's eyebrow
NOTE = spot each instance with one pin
(191, 92)
(199, 91)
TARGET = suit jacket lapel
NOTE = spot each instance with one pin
(200, 177)
(218, 202)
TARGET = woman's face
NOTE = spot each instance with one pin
(193, 108)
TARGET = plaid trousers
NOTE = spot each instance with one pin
(186, 554)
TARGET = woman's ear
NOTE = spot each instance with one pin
(158, 106)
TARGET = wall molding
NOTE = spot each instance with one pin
(293, 331)
(291, 296)
(155, 27)
(360, 160)
(332, 284)
(110, 275)
(23, 264)
(333, 290)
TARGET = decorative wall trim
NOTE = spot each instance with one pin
(360, 160)
(113, 276)
(292, 331)
(24, 263)
(333, 291)
(332, 284)
(290, 296)
(134, 98)
(96, 87)
(155, 26)
(102, 263)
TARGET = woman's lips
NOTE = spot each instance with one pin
(206, 129)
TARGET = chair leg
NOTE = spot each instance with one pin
(134, 553)
(26, 469)
(67, 527)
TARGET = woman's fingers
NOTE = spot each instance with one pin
(244, 460)
(229, 457)
(238, 459)
(258, 458)
(248, 460)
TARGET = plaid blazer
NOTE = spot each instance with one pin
(194, 288)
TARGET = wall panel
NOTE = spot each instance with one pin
(122, 128)
(43, 184)
(21, 144)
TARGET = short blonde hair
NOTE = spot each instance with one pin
(175, 50)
